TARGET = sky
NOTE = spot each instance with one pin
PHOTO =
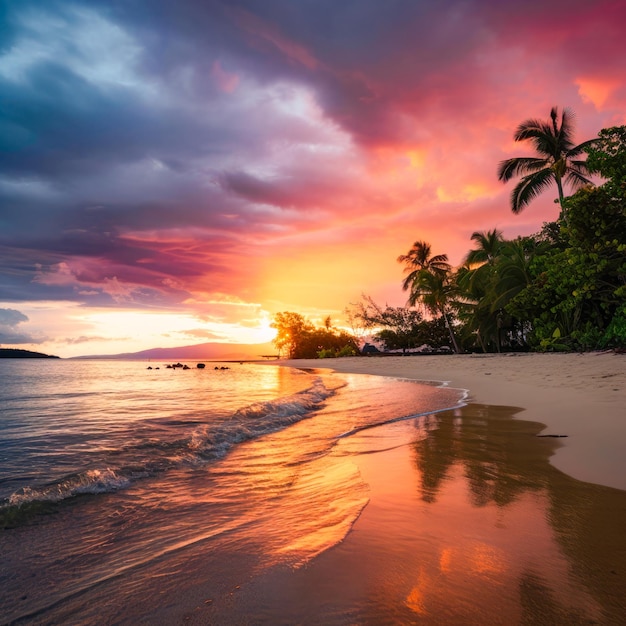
(174, 173)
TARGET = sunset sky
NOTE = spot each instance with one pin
(173, 173)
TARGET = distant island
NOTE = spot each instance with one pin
(209, 351)
(14, 353)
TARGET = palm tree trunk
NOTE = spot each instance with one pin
(559, 186)
(449, 327)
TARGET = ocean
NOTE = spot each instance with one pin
(128, 487)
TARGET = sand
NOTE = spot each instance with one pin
(582, 396)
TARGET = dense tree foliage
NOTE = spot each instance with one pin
(577, 298)
(298, 338)
(561, 289)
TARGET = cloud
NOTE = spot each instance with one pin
(10, 319)
(200, 333)
(157, 157)
(90, 339)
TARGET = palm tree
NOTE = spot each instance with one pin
(419, 259)
(556, 160)
(488, 246)
(435, 291)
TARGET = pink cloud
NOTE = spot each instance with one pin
(225, 81)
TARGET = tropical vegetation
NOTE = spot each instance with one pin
(563, 288)
(557, 159)
(298, 338)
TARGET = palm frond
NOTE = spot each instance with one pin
(531, 128)
(529, 188)
(582, 147)
(519, 165)
(576, 179)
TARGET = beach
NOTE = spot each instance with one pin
(362, 497)
(582, 396)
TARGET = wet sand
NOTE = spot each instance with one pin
(467, 523)
(582, 396)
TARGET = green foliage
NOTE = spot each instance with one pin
(561, 289)
(495, 271)
(607, 156)
(327, 353)
(579, 286)
(615, 334)
(430, 283)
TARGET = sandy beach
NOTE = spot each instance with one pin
(582, 396)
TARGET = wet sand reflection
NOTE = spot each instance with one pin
(472, 526)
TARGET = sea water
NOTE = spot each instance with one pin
(117, 478)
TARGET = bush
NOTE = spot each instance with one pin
(615, 335)
(327, 353)
(347, 351)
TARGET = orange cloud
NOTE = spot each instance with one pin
(597, 90)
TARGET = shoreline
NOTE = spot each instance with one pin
(468, 519)
(581, 397)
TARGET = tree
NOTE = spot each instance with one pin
(291, 327)
(556, 159)
(607, 157)
(493, 273)
(577, 297)
(487, 249)
(400, 328)
(428, 280)
(419, 259)
(397, 327)
(302, 340)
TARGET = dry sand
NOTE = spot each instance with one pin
(582, 396)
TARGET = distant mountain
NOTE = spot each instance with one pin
(15, 353)
(206, 351)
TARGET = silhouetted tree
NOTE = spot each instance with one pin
(556, 159)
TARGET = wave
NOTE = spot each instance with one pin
(210, 441)
(401, 418)
(258, 419)
(90, 482)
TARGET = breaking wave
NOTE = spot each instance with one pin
(207, 442)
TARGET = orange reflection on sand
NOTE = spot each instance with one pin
(415, 600)
(482, 538)
(473, 561)
(487, 559)
(445, 560)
